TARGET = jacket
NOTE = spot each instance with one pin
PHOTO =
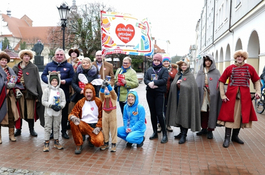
(131, 82)
(3, 104)
(108, 71)
(66, 71)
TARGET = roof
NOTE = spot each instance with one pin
(13, 55)
(158, 49)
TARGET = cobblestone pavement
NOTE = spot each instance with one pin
(198, 156)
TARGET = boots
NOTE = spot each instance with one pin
(46, 147)
(183, 135)
(235, 136)
(227, 137)
(11, 135)
(0, 136)
(153, 136)
(18, 132)
(179, 135)
(57, 145)
(202, 132)
(164, 138)
(31, 128)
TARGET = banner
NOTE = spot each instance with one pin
(125, 34)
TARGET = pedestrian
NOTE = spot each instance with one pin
(89, 71)
(183, 108)
(237, 109)
(12, 115)
(109, 117)
(3, 94)
(155, 79)
(59, 63)
(125, 79)
(86, 119)
(73, 59)
(54, 101)
(172, 71)
(104, 69)
(30, 103)
(134, 126)
(207, 81)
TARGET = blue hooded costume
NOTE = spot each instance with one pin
(133, 118)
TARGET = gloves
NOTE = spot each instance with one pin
(56, 108)
(106, 83)
(75, 120)
(18, 94)
(10, 85)
(96, 130)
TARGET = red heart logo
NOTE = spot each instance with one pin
(184, 79)
(211, 79)
(92, 109)
(125, 33)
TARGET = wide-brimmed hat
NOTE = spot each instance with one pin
(73, 50)
(4, 55)
(25, 52)
(241, 53)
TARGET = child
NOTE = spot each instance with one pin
(109, 120)
(54, 101)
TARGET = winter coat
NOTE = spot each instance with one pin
(90, 74)
(131, 82)
(108, 71)
(3, 103)
(46, 98)
(227, 109)
(134, 116)
(215, 101)
(161, 82)
(33, 86)
(66, 71)
(75, 63)
(186, 113)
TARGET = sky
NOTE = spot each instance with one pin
(173, 20)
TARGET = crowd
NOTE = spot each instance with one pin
(83, 95)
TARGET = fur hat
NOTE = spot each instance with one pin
(242, 53)
(157, 57)
(166, 58)
(25, 52)
(4, 55)
(73, 50)
(179, 63)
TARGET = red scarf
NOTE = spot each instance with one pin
(7, 73)
(19, 74)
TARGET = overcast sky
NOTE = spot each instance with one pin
(173, 20)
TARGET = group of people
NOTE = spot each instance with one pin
(82, 95)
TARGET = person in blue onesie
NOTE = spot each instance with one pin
(134, 126)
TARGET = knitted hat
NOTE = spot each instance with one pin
(241, 53)
(73, 50)
(166, 58)
(157, 57)
(4, 55)
(25, 52)
(54, 77)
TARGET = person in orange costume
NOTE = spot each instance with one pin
(86, 119)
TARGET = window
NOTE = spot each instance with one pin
(238, 2)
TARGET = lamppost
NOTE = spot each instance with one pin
(63, 11)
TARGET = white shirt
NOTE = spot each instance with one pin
(90, 112)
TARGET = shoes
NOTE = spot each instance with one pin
(11, 135)
(65, 135)
(153, 136)
(209, 135)
(129, 144)
(159, 128)
(169, 129)
(105, 146)
(178, 136)
(182, 139)
(113, 147)
(18, 132)
(142, 143)
(57, 145)
(78, 149)
(33, 133)
(202, 132)
(90, 144)
(46, 147)
(51, 136)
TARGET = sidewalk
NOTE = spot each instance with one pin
(198, 156)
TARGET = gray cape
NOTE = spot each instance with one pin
(187, 112)
(215, 99)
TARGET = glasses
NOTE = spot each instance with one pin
(59, 54)
(125, 63)
(98, 55)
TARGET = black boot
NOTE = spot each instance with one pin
(179, 135)
(202, 132)
(235, 137)
(18, 132)
(153, 136)
(183, 135)
(31, 128)
(227, 137)
(164, 131)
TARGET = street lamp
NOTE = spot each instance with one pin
(63, 11)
